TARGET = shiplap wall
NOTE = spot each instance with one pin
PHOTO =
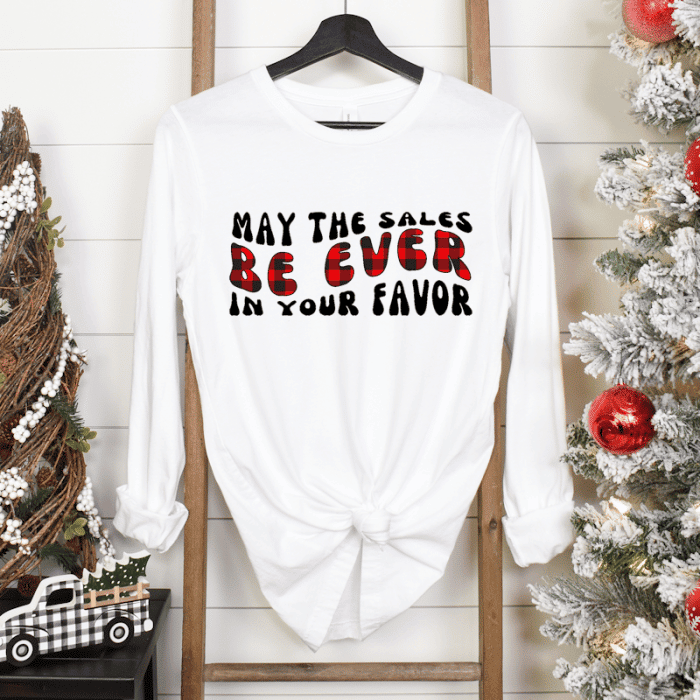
(93, 78)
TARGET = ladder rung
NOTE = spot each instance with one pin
(400, 671)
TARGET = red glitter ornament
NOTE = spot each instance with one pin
(620, 420)
(649, 20)
(692, 166)
(692, 609)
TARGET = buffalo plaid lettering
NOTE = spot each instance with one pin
(337, 274)
(242, 275)
(449, 250)
(409, 257)
(279, 266)
(375, 263)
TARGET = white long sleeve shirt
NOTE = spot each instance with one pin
(346, 295)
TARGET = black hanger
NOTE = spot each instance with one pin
(350, 33)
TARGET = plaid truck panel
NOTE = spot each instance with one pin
(67, 626)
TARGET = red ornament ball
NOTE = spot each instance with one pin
(692, 166)
(692, 609)
(649, 20)
(620, 420)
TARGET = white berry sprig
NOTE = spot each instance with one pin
(31, 418)
(12, 533)
(12, 488)
(86, 504)
(16, 197)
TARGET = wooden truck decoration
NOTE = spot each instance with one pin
(67, 612)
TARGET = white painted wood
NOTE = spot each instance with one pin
(271, 23)
(569, 94)
(94, 96)
(108, 373)
(99, 190)
(108, 367)
(98, 284)
(85, 24)
(580, 287)
(571, 171)
(563, 23)
(420, 22)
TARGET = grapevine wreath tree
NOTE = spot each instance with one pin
(633, 603)
(47, 511)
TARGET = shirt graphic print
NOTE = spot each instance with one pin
(346, 296)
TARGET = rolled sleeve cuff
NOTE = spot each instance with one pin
(538, 536)
(156, 531)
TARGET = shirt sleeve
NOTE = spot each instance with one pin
(147, 509)
(537, 486)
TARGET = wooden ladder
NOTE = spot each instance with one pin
(488, 670)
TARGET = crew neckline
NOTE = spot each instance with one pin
(274, 90)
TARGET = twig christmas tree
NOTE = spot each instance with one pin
(634, 604)
(46, 504)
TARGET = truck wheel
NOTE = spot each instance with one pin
(22, 650)
(118, 632)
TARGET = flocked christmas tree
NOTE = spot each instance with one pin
(633, 604)
(47, 510)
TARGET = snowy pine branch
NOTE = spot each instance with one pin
(592, 613)
(636, 557)
(620, 267)
(665, 97)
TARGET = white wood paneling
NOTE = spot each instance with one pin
(571, 171)
(564, 23)
(81, 24)
(415, 22)
(105, 388)
(569, 94)
(101, 398)
(99, 190)
(270, 23)
(575, 272)
(91, 96)
(98, 284)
